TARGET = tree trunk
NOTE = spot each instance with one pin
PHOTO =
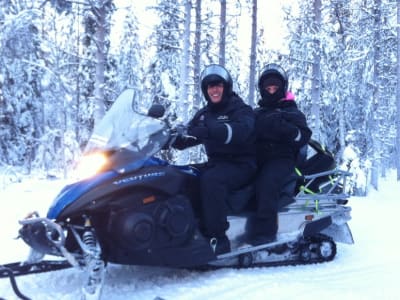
(197, 48)
(338, 86)
(99, 108)
(222, 34)
(398, 95)
(316, 67)
(185, 66)
(253, 55)
(376, 142)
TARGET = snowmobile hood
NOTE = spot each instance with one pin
(72, 192)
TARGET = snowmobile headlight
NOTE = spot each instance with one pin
(90, 165)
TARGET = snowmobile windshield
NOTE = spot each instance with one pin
(124, 128)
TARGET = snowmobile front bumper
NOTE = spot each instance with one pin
(43, 235)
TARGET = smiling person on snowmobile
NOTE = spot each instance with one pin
(226, 128)
(281, 130)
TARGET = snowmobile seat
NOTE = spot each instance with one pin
(243, 202)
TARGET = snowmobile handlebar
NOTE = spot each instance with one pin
(179, 131)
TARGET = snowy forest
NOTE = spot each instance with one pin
(63, 63)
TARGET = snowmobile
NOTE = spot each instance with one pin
(135, 208)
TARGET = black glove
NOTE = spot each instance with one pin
(200, 132)
(269, 122)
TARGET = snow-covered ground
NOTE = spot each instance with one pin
(369, 269)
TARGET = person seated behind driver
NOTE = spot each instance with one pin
(226, 128)
(281, 130)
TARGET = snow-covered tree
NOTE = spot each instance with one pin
(129, 55)
(164, 69)
(97, 22)
(21, 70)
(354, 68)
(398, 95)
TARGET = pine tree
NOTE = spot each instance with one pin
(398, 96)
(20, 73)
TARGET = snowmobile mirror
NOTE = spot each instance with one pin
(156, 111)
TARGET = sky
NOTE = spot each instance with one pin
(367, 270)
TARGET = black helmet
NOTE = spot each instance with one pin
(213, 74)
(273, 70)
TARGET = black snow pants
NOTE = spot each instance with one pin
(273, 176)
(218, 179)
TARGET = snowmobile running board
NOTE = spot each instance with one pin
(245, 257)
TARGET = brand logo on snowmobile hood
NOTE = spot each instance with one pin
(139, 177)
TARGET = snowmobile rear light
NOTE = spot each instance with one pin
(309, 217)
(149, 199)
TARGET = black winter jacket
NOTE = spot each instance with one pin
(281, 130)
(231, 131)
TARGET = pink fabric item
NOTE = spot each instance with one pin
(289, 96)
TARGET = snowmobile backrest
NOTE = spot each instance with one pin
(315, 158)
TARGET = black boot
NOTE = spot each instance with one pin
(261, 230)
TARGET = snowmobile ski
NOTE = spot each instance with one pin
(20, 268)
(11, 270)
